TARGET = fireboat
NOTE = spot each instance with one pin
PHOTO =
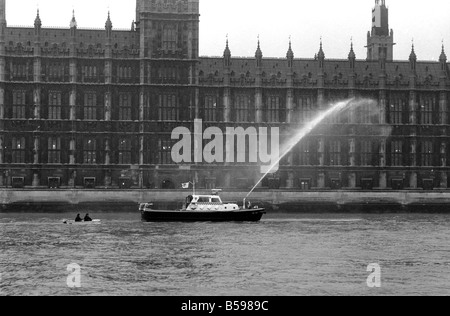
(203, 208)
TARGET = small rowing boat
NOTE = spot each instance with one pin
(72, 222)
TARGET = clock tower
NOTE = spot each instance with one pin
(380, 41)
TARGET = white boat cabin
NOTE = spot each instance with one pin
(208, 203)
(199, 203)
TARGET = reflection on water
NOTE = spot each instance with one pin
(284, 254)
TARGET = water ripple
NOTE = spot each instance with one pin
(282, 255)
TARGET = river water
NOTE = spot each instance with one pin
(283, 255)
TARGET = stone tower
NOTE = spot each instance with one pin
(380, 40)
(168, 30)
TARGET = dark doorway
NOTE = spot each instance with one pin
(125, 183)
(428, 184)
(367, 184)
(18, 182)
(89, 183)
(336, 184)
(397, 184)
(168, 185)
(305, 184)
(54, 183)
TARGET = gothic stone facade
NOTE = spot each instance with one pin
(83, 108)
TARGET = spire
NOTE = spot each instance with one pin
(351, 55)
(108, 24)
(443, 57)
(443, 61)
(73, 22)
(108, 27)
(290, 53)
(227, 52)
(321, 54)
(227, 55)
(412, 56)
(258, 55)
(37, 21)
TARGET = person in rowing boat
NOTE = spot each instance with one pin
(78, 219)
(87, 218)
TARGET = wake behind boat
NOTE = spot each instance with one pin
(202, 208)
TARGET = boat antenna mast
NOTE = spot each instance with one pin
(186, 186)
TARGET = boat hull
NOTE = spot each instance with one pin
(71, 222)
(252, 215)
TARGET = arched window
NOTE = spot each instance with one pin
(54, 150)
(18, 150)
(54, 105)
(19, 105)
(242, 108)
(165, 152)
(397, 153)
(427, 153)
(210, 108)
(125, 107)
(273, 108)
(90, 106)
(335, 153)
(169, 38)
(90, 151)
(124, 151)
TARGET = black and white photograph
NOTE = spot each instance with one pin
(222, 156)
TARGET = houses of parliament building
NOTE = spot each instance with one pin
(95, 109)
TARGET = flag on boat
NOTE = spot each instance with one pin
(185, 185)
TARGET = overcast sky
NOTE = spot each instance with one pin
(336, 22)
